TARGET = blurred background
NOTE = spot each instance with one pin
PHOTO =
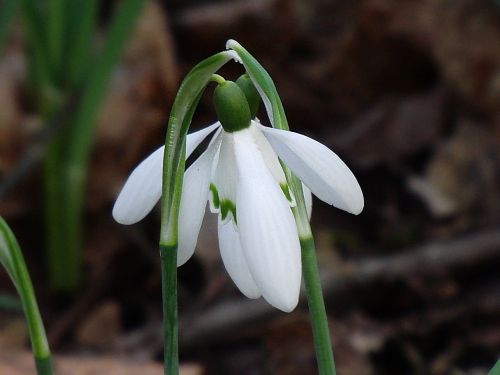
(406, 92)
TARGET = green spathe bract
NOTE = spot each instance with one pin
(231, 107)
(12, 260)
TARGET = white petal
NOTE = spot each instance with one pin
(142, 190)
(225, 177)
(270, 157)
(194, 201)
(193, 140)
(267, 228)
(234, 260)
(271, 160)
(308, 200)
(319, 168)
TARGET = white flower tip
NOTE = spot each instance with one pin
(234, 55)
(357, 203)
(122, 215)
(286, 302)
(231, 43)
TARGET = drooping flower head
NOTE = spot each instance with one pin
(241, 177)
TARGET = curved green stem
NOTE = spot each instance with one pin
(267, 90)
(13, 261)
(181, 114)
(317, 312)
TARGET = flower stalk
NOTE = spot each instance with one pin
(317, 312)
(180, 118)
(168, 257)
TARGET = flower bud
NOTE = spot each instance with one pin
(251, 93)
(231, 107)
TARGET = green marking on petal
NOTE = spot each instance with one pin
(227, 206)
(286, 190)
(215, 195)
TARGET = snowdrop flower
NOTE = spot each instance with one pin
(240, 175)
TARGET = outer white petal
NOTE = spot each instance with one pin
(234, 260)
(267, 228)
(193, 140)
(270, 157)
(194, 201)
(308, 200)
(142, 190)
(319, 168)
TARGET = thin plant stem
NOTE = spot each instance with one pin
(168, 255)
(13, 260)
(317, 312)
(55, 232)
(55, 35)
(39, 64)
(181, 114)
(82, 16)
(43, 366)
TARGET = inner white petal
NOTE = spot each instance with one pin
(194, 200)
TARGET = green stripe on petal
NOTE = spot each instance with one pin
(288, 194)
(228, 207)
(214, 201)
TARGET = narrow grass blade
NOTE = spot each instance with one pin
(66, 256)
(55, 26)
(82, 15)
(13, 261)
(7, 11)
